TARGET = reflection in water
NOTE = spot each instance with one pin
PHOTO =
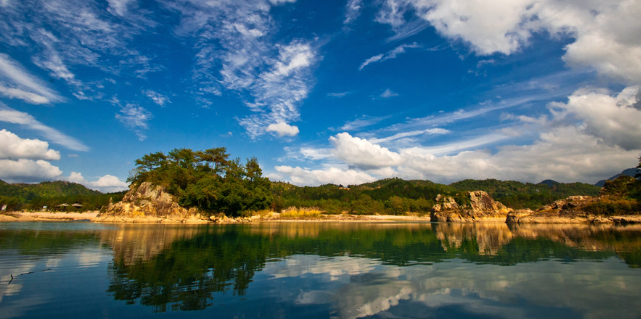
(350, 270)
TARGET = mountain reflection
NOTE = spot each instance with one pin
(183, 267)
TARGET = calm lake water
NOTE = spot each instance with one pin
(319, 270)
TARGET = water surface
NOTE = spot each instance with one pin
(319, 270)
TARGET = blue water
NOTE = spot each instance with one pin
(319, 270)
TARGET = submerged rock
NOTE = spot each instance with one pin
(482, 207)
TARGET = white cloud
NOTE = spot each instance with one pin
(392, 54)
(279, 90)
(135, 118)
(16, 82)
(109, 183)
(442, 119)
(105, 184)
(450, 148)
(26, 171)
(430, 131)
(370, 60)
(352, 10)
(591, 136)
(279, 2)
(14, 147)
(362, 153)
(564, 154)
(333, 175)
(29, 97)
(76, 177)
(612, 119)
(606, 34)
(364, 121)
(16, 117)
(157, 97)
(316, 153)
(243, 59)
(388, 93)
(338, 94)
(283, 129)
(119, 7)
(61, 35)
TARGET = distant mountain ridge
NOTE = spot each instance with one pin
(627, 172)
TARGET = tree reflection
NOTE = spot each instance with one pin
(186, 274)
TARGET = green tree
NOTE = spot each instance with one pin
(207, 180)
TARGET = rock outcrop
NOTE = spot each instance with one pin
(568, 211)
(481, 208)
(149, 203)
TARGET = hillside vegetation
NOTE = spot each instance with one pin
(52, 194)
(518, 195)
(212, 182)
(395, 196)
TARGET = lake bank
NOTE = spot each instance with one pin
(94, 216)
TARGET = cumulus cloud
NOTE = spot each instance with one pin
(27, 171)
(362, 153)
(605, 33)
(13, 147)
(17, 83)
(591, 136)
(282, 129)
(615, 120)
(106, 184)
(10, 115)
(333, 175)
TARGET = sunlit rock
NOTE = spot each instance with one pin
(481, 207)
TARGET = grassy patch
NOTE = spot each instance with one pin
(301, 213)
(612, 207)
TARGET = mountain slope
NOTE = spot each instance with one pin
(627, 172)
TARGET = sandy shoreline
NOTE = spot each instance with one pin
(91, 217)
(47, 216)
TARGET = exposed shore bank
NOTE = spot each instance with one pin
(93, 216)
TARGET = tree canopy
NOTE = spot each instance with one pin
(208, 180)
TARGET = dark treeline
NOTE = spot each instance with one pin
(397, 196)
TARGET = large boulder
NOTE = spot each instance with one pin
(481, 207)
(149, 203)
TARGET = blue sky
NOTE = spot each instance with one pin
(342, 92)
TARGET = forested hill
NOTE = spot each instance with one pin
(44, 190)
(396, 195)
(51, 194)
